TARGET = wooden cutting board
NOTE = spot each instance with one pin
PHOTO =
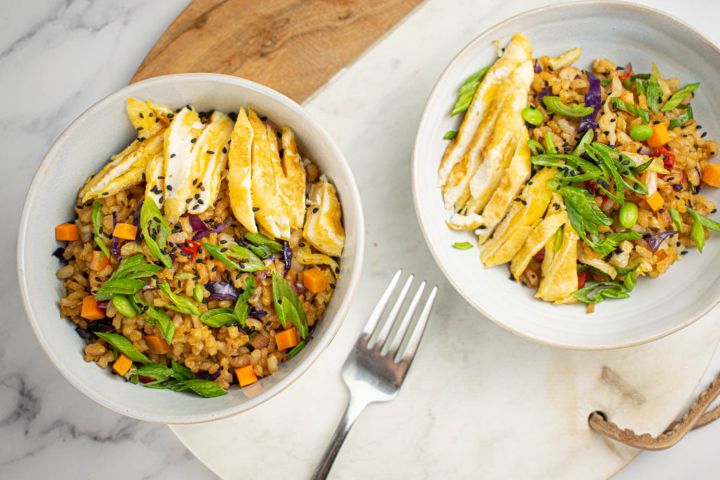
(293, 46)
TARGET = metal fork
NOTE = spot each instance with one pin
(376, 367)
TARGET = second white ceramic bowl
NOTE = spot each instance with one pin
(84, 147)
(623, 33)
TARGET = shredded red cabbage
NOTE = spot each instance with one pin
(254, 312)
(545, 91)
(115, 243)
(593, 98)
(222, 290)
(654, 241)
(201, 229)
(287, 256)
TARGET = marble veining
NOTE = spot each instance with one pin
(57, 57)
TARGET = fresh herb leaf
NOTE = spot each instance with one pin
(182, 304)
(249, 261)
(584, 214)
(462, 245)
(288, 306)
(155, 231)
(181, 372)
(97, 219)
(218, 317)
(632, 109)
(611, 242)
(466, 92)
(677, 97)
(124, 346)
(155, 371)
(597, 292)
(682, 118)
(204, 388)
(156, 317)
(119, 286)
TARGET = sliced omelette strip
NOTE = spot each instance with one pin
(154, 179)
(144, 117)
(517, 225)
(540, 235)
(505, 135)
(267, 201)
(210, 162)
(240, 172)
(282, 182)
(124, 170)
(323, 223)
(517, 51)
(295, 173)
(516, 175)
(180, 139)
(559, 269)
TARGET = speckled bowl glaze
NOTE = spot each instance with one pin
(623, 33)
(80, 150)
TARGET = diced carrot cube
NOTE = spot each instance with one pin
(122, 365)
(125, 231)
(655, 201)
(245, 375)
(156, 344)
(90, 309)
(98, 261)
(711, 175)
(287, 339)
(314, 280)
(66, 232)
(660, 136)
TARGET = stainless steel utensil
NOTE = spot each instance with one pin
(377, 365)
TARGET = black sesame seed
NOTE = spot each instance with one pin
(224, 150)
(255, 209)
(169, 187)
(172, 155)
(193, 140)
(141, 115)
(210, 152)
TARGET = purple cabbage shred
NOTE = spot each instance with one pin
(654, 241)
(58, 253)
(201, 229)
(593, 98)
(115, 243)
(222, 290)
(536, 67)
(287, 256)
(255, 312)
(545, 91)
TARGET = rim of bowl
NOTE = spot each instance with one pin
(337, 320)
(483, 37)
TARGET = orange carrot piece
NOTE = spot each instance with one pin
(90, 309)
(287, 339)
(67, 232)
(314, 280)
(98, 261)
(156, 344)
(245, 375)
(655, 201)
(711, 175)
(125, 231)
(659, 137)
(122, 365)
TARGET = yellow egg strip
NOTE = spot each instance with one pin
(240, 172)
(295, 173)
(543, 231)
(559, 269)
(323, 225)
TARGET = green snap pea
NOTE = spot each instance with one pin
(532, 116)
(123, 305)
(628, 214)
(641, 132)
(198, 293)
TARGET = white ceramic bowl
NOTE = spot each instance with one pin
(80, 150)
(621, 32)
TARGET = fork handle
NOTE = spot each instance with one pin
(352, 412)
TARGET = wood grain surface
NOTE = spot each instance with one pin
(293, 46)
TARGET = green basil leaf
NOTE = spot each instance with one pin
(287, 304)
(677, 97)
(204, 388)
(124, 346)
(181, 303)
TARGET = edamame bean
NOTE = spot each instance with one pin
(641, 132)
(628, 214)
(532, 116)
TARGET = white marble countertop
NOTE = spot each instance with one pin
(56, 59)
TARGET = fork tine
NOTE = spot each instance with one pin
(417, 333)
(382, 334)
(382, 303)
(405, 323)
